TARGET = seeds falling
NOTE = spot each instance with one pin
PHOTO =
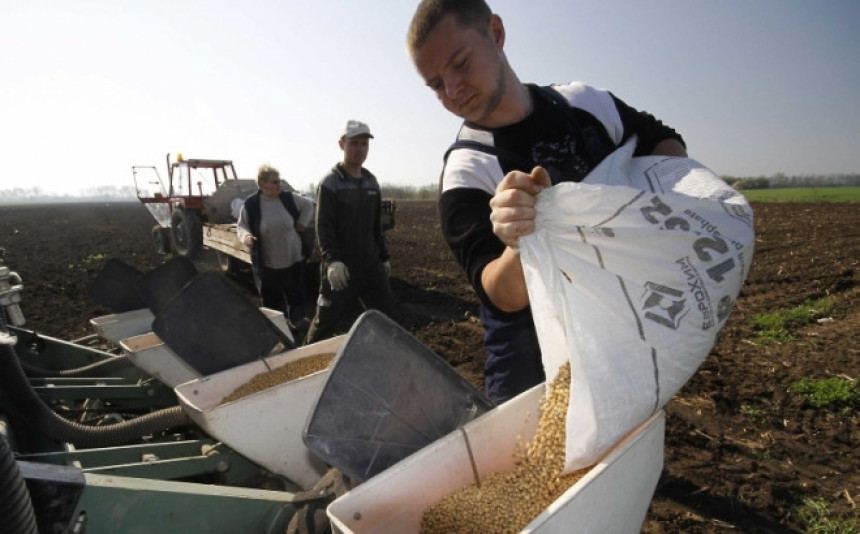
(507, 502)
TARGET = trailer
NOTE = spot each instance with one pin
(229, 251)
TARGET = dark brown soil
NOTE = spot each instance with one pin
(742, 453)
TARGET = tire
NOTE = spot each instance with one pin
(186, 231)
(389, 207)
(227, 264)
(161, 239)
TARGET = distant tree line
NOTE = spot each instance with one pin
(426, 192)
(781, 180)
(99, 193)
(114, 193)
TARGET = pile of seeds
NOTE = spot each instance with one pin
(285, 373)
(507, 502)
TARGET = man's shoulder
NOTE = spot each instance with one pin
(470, 167)
(333, 176)
(577, 94)
(598, 103)
(365, 173)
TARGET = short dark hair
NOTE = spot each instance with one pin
(469, 14)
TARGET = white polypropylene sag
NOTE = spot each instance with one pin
(631, 274)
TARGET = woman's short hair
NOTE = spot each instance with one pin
(266, 172)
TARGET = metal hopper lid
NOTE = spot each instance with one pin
(115, 287)
(386, 397)
(161, 284)
(211, 325)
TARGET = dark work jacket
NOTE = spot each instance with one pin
(252, 209)
(348, 222)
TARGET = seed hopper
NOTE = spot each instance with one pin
(127, 431)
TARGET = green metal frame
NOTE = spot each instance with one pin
(117, 391)
(68, 500)
(174, 460)
(112, 504)
(176, 484)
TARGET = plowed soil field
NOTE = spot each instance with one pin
(742, 451)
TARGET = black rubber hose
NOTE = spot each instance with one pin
(16, 508)
(93, 369)
(98, 368)
(14, 383)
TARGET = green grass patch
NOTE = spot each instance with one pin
(760, 413)
(833, 392)
(804, 194)
(94, 257)
(764, 456)
(755, 413)
(816, 517)
(780, 326)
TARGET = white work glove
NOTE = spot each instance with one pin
(338, 275)
(387, 266)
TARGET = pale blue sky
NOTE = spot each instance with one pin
(90, 88)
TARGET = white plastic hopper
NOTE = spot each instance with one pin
(613, 496)
(118, 326)
(266, 426)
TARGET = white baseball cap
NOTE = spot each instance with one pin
(355, 128)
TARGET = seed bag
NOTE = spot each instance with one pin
(631, 275)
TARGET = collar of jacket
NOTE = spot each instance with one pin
(340, 170)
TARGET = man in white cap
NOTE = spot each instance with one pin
(355, 262)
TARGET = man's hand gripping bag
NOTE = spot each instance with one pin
(631, 275)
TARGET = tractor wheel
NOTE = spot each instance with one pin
(227, 263)
(186, 230)
(389, 208)
(161, 239)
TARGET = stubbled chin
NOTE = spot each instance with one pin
(470, 113)
(455, 110)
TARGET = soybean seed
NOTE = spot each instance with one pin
(285, 373)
